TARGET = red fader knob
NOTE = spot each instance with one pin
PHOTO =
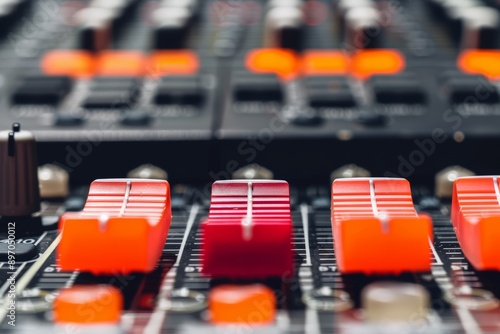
(376, 228)
(475, 213)
(122, 228)
(248, 233)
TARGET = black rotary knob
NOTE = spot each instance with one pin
(19, 189)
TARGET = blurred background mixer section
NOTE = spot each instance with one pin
(331, 82)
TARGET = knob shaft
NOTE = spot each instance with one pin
(283, 28)
(363, 29)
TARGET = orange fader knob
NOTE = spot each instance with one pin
(485, 62)
(122, 228)
(366, 63)
(250, 304)
(475, 213)
(121, 63)
(74, 63)
(173, 62)
(319, 62)
(373, 222)
(88, 304)
(284, 63)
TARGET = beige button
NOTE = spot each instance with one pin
(253, 172)
(148, 171)
(395, 302)
(349, 171)
(446, 178)
(54, 181)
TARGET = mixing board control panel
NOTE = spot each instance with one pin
(227, 166)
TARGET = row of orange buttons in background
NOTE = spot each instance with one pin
(285, 63)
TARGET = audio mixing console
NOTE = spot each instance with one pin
(233, 166)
